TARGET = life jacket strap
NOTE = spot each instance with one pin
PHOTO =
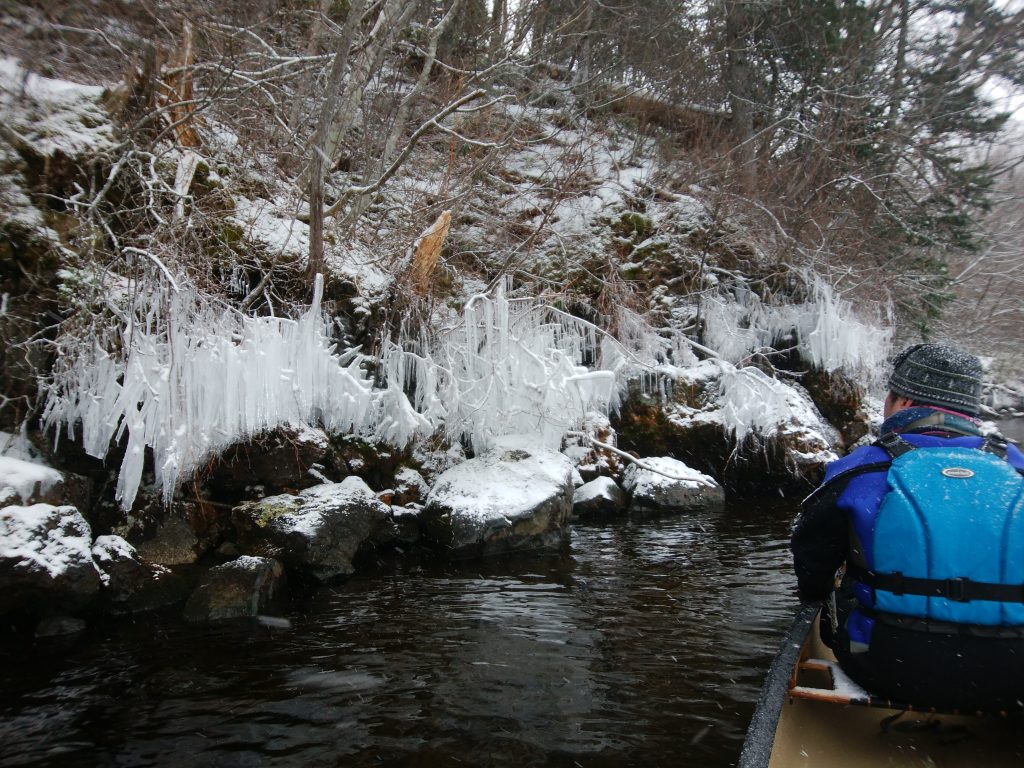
(896, 446)
(960, 590)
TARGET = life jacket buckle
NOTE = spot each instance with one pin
(956, 590)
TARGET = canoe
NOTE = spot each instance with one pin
(809, 714)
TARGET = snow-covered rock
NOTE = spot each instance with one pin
(600, 498)
(28, 482)
(317, 532)
(514, 497)
(758, 435)
(26, 478)
(248, 586)
(665, 485)
(45, 559)
(593, 462)
(409, 487)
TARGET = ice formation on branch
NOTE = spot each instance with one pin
(188, 377)
(827, 333)
(510, 367)
(751, 402)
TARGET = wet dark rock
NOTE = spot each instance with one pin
(402, 531)
(841, 402)
(316, 533)
(515, 497)
(277, 461)
(45, 559)
(173, 543)
(672, 489)
(59, 626)
(248, 586)
(179, 534)
(130, 585)
(601, 498)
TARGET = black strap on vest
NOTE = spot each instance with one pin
(959, 590)
(896, 446)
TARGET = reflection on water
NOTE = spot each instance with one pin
(644, 645)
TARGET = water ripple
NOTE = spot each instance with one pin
(645, 646)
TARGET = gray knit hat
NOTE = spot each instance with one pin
(937, 374)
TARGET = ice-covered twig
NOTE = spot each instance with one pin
(639, 462)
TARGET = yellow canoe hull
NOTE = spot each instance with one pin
(817, 725)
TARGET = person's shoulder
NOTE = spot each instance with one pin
(858, 457)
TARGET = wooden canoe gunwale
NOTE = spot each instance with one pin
(757, 747)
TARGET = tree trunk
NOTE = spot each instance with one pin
(737, 81)
(314, 181)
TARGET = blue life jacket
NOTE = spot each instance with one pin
(948, 539)
(939, 536)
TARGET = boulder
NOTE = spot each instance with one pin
(316, 533)
(601, 498)
(402, 531)
(786, 444)
(130, 585)
(174, 542)
(248, 586)
(514, 497)
(278, 460)
(179, 534)
(45, 559)
(29, 482)
(665, 485)
(409, 487)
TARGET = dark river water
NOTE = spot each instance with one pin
(643, 645)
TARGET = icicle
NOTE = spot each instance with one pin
(198, 377)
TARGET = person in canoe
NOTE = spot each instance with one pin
(929, 524)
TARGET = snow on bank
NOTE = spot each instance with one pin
(49, 119)
(53, 116)
(273, 226)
